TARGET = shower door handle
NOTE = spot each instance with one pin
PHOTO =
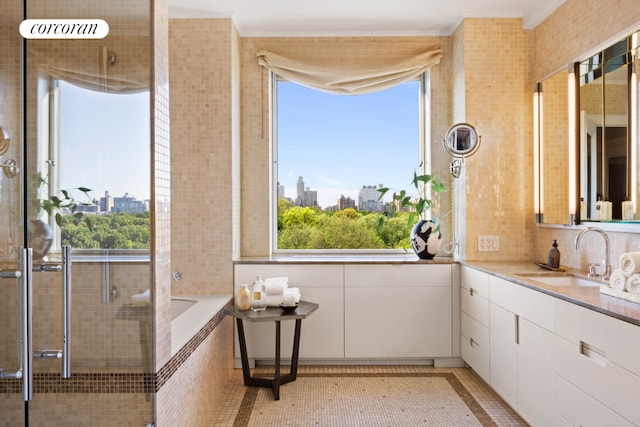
(24, 371)
(26, 325)
(66, 311)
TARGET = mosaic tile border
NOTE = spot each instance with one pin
(246, 407)
(117, 382)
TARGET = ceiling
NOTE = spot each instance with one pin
(296, 18)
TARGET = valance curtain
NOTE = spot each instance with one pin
(350, 79)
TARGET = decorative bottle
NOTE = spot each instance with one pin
(244, 298)
(258, 297)
(554, 256)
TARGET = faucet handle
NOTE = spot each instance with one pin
(593, 270)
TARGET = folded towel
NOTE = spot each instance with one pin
(618, 280)
(630, 263)
(275, 285)
(633, 284)
(274, 300)
(141, 299)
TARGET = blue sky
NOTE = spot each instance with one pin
(340, 143)
(336, 143)
(105, 142)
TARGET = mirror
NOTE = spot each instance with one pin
(461, 140)
(554, 149)
(606, 118)
(605, 134)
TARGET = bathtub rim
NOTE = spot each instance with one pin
(188, 324)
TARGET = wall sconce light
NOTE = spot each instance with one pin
(572, 83)
(633, 113)
(538, 181)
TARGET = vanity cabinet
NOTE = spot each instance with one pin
(522, 372)
(397, 311)
(598, 356)
(555, 362)
(474, 320)
(391, 311)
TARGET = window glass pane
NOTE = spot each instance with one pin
(104, 146)
(333, 153)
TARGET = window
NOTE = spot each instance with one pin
(333, 152)
(99, 141)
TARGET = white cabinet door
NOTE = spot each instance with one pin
(322, 333)
(398, 311)
(398, 322)
(503, 353)
(536, 374)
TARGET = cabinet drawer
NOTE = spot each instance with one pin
(477, 334)
(397, 275)
(579, 409)
(590, 371)
(476, 280)
(474, 305)
(475, 358)
(618, 340)
(534, 306)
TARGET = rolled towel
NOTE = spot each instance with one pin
(618, 280)
(141, 299)
(633, 284)
(275, 285)
(630, 263)
(291, 296)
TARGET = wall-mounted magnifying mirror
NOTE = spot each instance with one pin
(4, 141)
(461, 140)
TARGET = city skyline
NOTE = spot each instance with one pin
(341, 142)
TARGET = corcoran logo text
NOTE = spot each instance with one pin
(64, 29)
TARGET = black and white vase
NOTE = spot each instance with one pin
(40, 238)
(425, 240)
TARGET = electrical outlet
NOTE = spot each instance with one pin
(488, 243)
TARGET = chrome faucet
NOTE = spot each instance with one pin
(606, 264)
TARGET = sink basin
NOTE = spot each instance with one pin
(560, 279)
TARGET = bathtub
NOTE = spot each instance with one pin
(189, 313)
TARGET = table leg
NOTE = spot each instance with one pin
(296, 351)
(246, 372)
(276, 380)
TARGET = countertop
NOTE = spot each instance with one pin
(586, 296)
(344, 259)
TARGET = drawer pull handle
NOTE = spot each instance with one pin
(473, 343)
(597, 355)
(471, 290)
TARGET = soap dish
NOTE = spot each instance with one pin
(289, 308)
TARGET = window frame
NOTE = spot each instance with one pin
(424, 160)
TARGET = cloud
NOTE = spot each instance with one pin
(329, 181)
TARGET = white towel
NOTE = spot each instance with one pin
(275, 285)
(141, 299)
(618, 280)
(633, 284)
(276, 300)
(630, 263)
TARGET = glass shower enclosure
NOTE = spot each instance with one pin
(74, 218)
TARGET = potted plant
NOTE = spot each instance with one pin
(40, 234)
(425, 235)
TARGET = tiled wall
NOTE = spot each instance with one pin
(202, 135)
(577, 29)
(498, 102)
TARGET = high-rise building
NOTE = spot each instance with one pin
(305, 196)
(368, 198)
